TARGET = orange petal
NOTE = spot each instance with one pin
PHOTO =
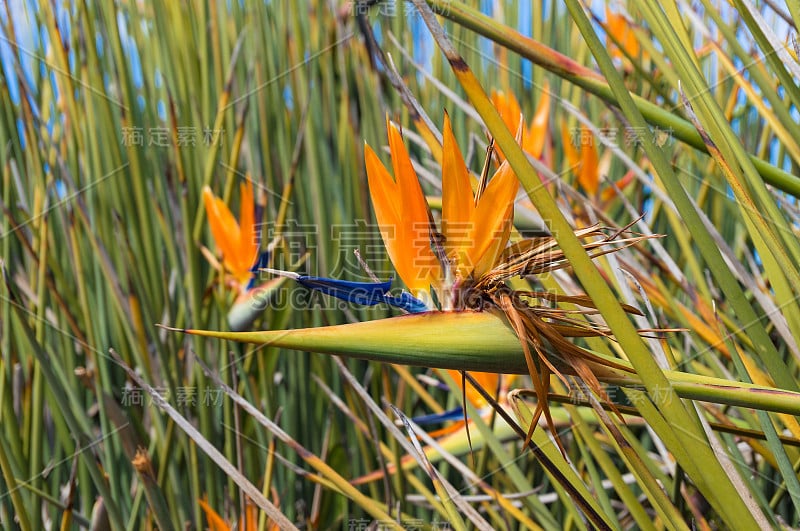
(247, 250)
(223, 226)
(615, 26)
(415, 226)
(430, 139)
(618, 26)
(249, 521)
(614, 22)
(588, 176)
(510, 112)
(383, 193)
(493, 219)
(568, 145)
(215, 521)
(508, 107)
(621, 184)
(402, 215)
(631, 44)
(382, 189)
(487, 380)
(458, 203)
(537, 132)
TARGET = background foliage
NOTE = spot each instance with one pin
(115, 115)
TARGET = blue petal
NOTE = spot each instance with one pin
(436, 418)
(407, 302)
(366, 293)
(262, 262)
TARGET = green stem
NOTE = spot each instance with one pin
(13, 489)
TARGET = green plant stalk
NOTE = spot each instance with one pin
(79, 430)
(155, 498)
(314, 461)
(366, 437)
(758, 74)
(517, 479)
(213, 453)
(757, 204)
(36, 448)
(448, 503)
(587, 79)
(606, 463)
(622, 441)
(647, 477)
(764, 221)
(101, 158)
(12, 438)
(701, 464)
(727, 282)
(13, 489)
(460, 445)
(775, 60)
(595, 482)
(141, 197)
(75, 517)
(11, 428)
(119, 303)
(778, 451)
(211, 156)
(494, 441)
(545, 445)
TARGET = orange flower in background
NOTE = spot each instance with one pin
(580, 150)
(534, 135)
(618, 26)
(248, 521)
(236, 240)
(609, 193)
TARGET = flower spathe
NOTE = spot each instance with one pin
(236, 240)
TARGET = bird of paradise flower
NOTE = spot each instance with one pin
(240, 245)
(624, 44)
(535, 135)
(583, 159)
(464, 269)
(236, 240)
(466, 265)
